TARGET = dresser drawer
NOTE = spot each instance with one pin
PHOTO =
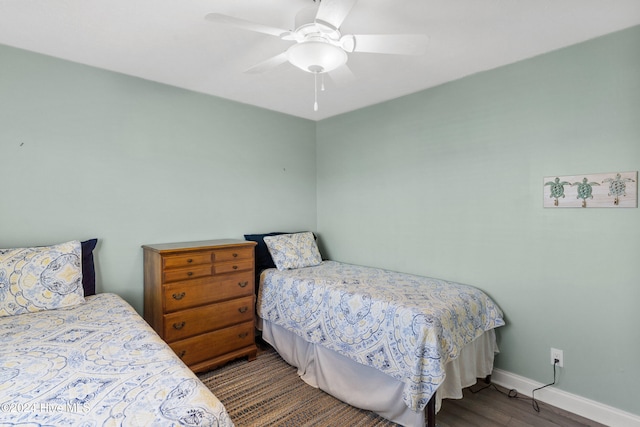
(233, 254)
(194, 321)
(229, 267)
(205, 290)
(186, 273)
(213, 344)
(178, 261)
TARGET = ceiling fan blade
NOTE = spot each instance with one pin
(268, 64)
(246, 25)
(333, 12)
(342, 75)
(395, 44)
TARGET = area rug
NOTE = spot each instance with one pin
(269, 392)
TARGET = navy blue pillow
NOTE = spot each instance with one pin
(88, 268)
(263, 257)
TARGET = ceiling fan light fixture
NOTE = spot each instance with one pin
(316, 56)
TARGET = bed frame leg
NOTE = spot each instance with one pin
(431, 411)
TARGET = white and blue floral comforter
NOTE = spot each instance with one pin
(97, 364)
(404, 325)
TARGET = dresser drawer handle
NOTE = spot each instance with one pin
(189, 273)
(243, 284)
(243, 335)
(189, 260)
(243, 309)
(235, 255)
(235, 267)
(179, 325)
(178, 296)
(182, 353)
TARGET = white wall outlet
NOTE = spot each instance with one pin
(557, 354)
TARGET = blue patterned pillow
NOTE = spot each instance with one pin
(291, 251)
(41, 278)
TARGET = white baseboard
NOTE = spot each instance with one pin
(587, 408)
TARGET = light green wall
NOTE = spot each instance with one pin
(448, 183)
(88, 153)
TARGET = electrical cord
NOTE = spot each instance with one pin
(513, 393)
(533, 398)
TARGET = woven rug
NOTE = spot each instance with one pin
(269, 392)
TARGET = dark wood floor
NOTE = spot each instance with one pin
(490, 408)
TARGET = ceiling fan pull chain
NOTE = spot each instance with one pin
(315, 91)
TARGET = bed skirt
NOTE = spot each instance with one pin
(367, 388)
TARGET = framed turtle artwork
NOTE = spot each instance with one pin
(602, 190)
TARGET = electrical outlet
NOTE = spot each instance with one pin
(557, 354)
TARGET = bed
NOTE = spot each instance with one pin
(392, 343)
(67, 358)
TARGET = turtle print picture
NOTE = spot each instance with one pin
(605, 190)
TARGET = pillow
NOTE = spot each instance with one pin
(88, 268)
(263, 257)
(291, 251)
(43, 278)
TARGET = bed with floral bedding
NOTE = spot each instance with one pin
(378, 339)
(72, 359)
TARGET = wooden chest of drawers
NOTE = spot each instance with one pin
(199, 297)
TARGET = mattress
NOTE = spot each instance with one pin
(97, 364)
(408, 327)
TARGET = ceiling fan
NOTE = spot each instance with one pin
(319, 46)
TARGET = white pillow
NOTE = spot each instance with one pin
(40, 278)
(291, 251)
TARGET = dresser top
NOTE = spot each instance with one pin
(203, 244)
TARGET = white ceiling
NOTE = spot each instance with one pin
(169, 41)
